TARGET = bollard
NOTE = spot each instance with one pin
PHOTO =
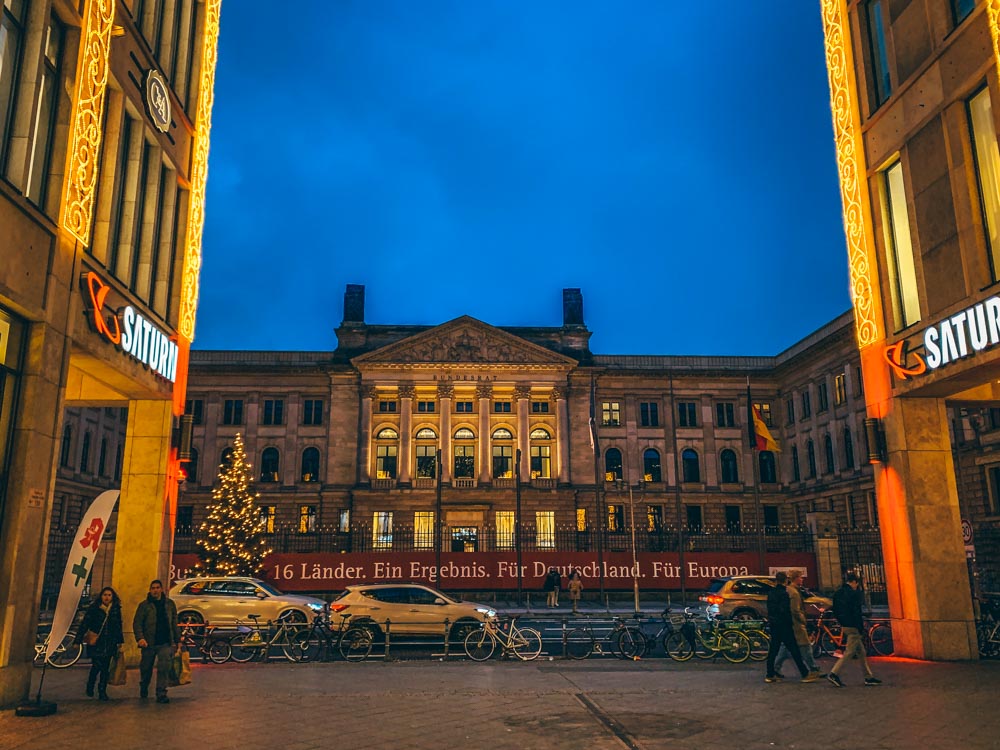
(447, 636)
(565, 633)
(388, 627)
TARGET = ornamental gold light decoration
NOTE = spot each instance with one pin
(87, 114)
(993, 15)
(851, 168)
(199, 172)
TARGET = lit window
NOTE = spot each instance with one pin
(545, 529)
(899, 249)
(307, 518)
(581, 519)
(654, 518)
(382, 529)
(45, 116)
(423, 530)
(502, 461)
(385, 462)
(616, 518)
(611, 413)
(267, 515)
(987, 161)
(878, 58)
(541, 462)
(505, 529)
(839, 389)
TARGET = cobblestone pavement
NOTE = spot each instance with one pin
(596, 704)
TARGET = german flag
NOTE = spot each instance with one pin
(760, 436)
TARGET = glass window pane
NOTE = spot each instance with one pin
(905, 303)
(988, 171)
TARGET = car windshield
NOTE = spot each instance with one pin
(269, 588)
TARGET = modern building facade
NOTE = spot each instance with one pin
(104, 118)
(346, 444)
(915, 97)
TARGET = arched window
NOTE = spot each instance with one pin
(541, 453)
(503, 453)
(226, 459)
(386, 453)
(730, 469)
(190, 467)
(269, 467)
(102, 459)
(612, 465)
(85, 453)
(310, 465)
(464, 453)
(426, 453)
(691, 467)
(811, 458)
(796, 475)
(848, 449)
(651, 471)
(67, 444)
(828, 451)
(768, 470)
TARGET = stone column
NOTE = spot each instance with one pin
(445, 392)
(406, 392)
(522, 394)
(929, 597)
(562, 435)
(365, 438)
(484, 392)
(145, 512)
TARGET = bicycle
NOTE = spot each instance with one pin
(258, 642)
(353, 643)
(627, 641)
(760, 640)
(524, 643)
(828, 636)
(212, 647)
(707, 642)
(67, 653)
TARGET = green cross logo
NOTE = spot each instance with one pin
(79, 570)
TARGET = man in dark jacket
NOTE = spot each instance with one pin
(848, 603)
(779, 615)
(158, 636)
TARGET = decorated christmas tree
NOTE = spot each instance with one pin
(231, 541)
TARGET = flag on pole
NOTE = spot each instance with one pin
(760, 436)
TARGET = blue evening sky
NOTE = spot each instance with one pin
(674, 160)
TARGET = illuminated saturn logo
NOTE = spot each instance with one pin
(896, 355)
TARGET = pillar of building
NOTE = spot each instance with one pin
(406, 391)
(364, 448)
(562, 435)
(928, 581)
(522, 394)
(484, 392)
(144, 537)
(445, 392)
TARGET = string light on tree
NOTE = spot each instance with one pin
(232, 541)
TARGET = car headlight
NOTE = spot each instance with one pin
(316, 606)
(489, 613)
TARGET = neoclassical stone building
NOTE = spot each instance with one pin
(346, 443)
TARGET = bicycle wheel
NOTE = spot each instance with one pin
(356, 644)
(828, 642)
(219, 651)
(309, 644)
(579, 644)
(880, 637)
(527, 644)
(479, 644)
(678, 647)
(242, 650)
(706, 645)
(629, 643)
(67, 653)
(759, 644)
(735, 646)
(987, 647)
(290, 647)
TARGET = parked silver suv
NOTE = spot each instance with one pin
(410, 608)
(222, 600)
(745, 598)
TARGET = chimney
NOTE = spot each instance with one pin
(354, 303)
(572, 307)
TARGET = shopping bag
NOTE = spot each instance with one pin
(117, 674)
(180, 669)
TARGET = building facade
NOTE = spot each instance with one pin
(914, 93)
(104, 119)
(346, 444)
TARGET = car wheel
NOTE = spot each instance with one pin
(461, 629)
(292, 615)
(190, 618)
(746, 614)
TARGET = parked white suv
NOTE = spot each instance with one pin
(410, 608)
(222, 600)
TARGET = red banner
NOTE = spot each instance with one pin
(488, 571)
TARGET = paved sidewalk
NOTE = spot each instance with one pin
(596, 704)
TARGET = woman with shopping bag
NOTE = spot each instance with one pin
(101, 630)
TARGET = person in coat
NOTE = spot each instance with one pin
(103, 617)
(779, 615)
(575, 588)
(158, 636)
(553, 582)
(848, 604)
(799, 627)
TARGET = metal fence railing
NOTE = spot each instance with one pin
(861, 551)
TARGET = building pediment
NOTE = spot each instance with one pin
(464, 340)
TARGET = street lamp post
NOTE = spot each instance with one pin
(635, 558)
(517, 520)
(437, 524)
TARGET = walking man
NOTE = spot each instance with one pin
(798, 627)
(158, 636)
(779, 614)
(847, 605)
